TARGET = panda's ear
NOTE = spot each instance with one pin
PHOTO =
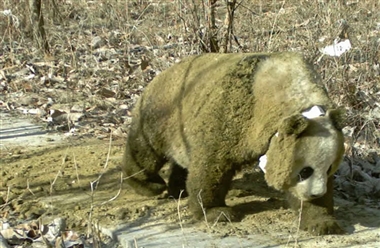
(338, 117)
(294, 124)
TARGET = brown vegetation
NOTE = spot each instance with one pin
(103, 54)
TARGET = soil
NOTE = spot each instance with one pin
(103, 53)
(81, 182)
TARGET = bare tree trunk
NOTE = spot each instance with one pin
(212, 29)
(196, 26)
(228, 26)
(37, 24)
(211, 38)
(57, 17)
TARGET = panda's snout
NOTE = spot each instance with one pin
(318, 190)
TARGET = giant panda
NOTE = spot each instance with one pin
(211, 114)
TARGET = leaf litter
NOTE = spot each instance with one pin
(87, 89)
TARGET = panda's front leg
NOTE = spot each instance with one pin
(207, 185)
(317, 215)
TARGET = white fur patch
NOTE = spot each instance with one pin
(313, 186)
(263, 163)
(313, 112)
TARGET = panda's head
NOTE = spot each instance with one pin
(304, 153)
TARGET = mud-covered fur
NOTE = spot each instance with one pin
(210, 114)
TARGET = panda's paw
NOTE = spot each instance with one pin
(218, 214)
(323, 226)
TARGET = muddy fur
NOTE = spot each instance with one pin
(210, 114)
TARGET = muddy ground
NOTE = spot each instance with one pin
(101, 55)
(80, 181)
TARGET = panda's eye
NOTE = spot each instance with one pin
(305, 173)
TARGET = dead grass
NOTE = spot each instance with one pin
(141, 38)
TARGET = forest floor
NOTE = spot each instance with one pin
(101, 56)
